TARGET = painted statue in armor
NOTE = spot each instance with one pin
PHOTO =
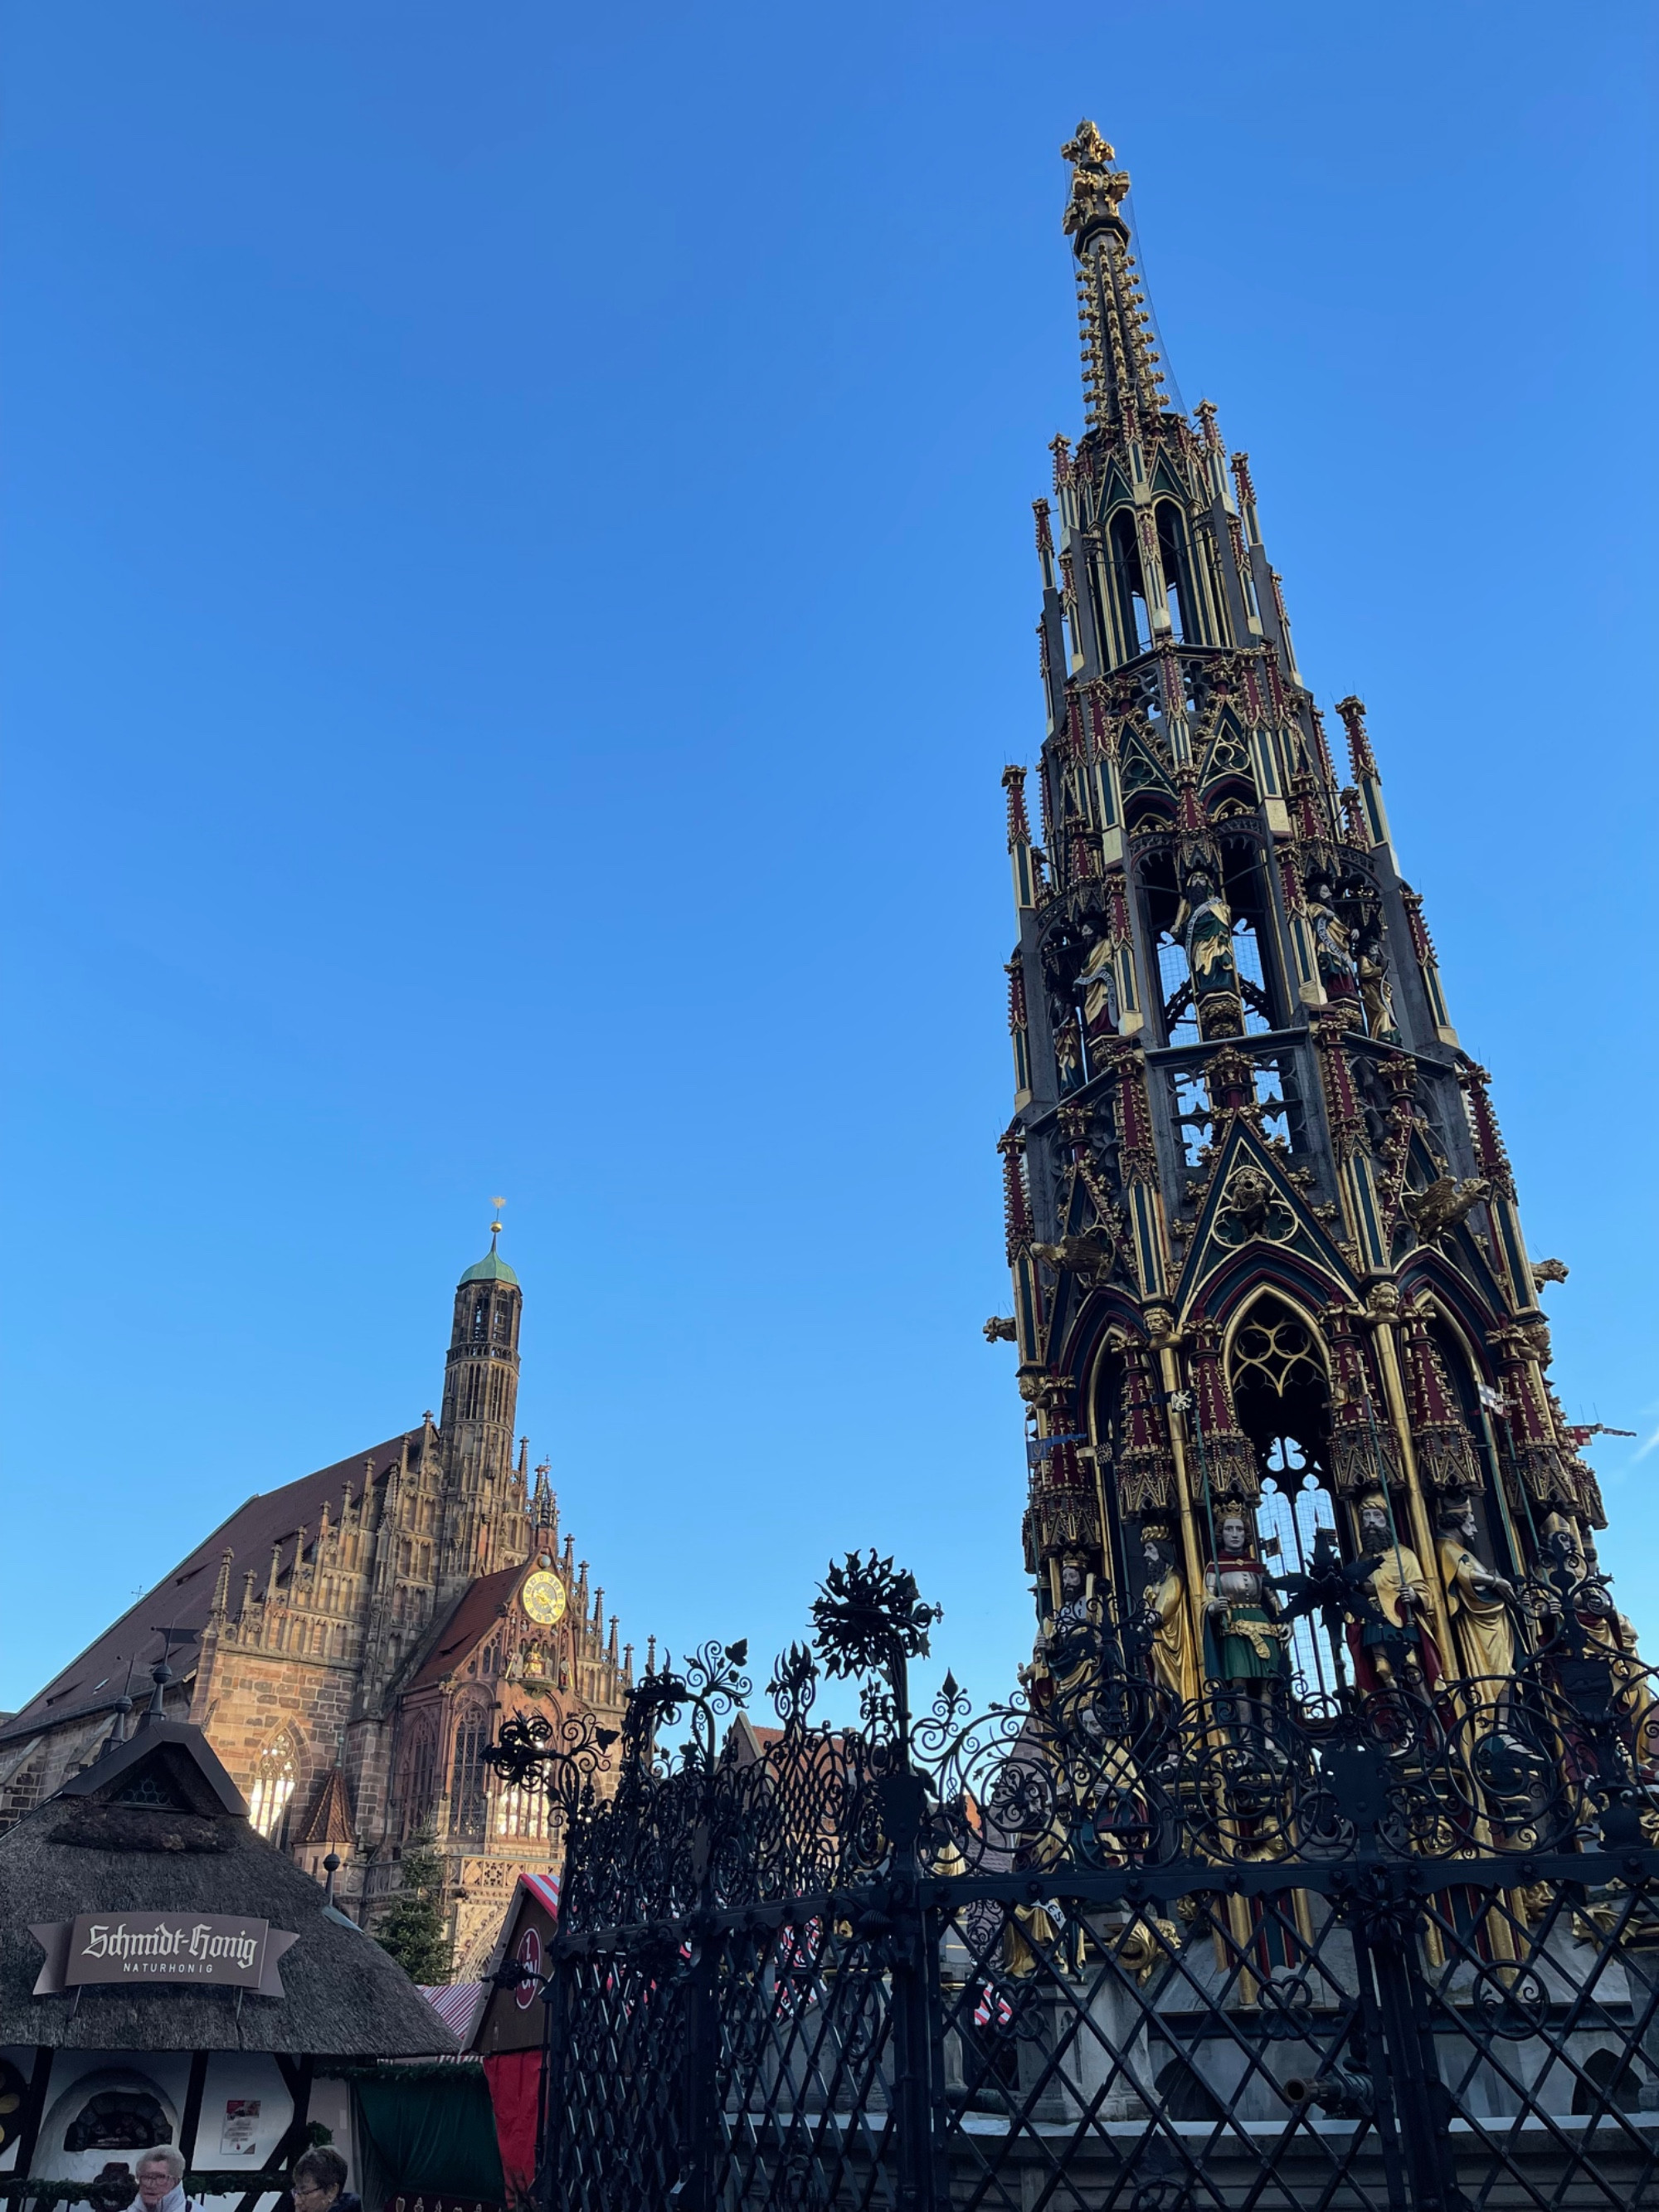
(1244, 1641)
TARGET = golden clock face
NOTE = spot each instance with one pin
(543, 1598)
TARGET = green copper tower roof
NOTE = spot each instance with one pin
(492, 1268)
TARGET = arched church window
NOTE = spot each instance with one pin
(1294, 1507)
(480, 1317)
(1274, 1351)
(469, 1790)
(1177, 570)
(418, 1776)
(503, 1322)
(1282, 1396)
(1129, 584)
(274, 1778)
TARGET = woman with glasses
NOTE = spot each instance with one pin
(318, 2184)
(161, 2181)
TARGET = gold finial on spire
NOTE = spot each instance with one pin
(1097, 187)
(496, 1225)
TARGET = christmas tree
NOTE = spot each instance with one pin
(412, 1926)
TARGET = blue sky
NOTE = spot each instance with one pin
(517, 590)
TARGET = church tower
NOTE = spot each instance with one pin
(484, 1500)
(1269, 1271)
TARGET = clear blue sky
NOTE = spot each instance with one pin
(517, 590)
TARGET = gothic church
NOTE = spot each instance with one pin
(351, 1641)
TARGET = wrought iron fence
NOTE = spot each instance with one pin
(1086, 1948)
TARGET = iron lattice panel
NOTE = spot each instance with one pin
(1381, 1952)
(1356, 2045)
(618, 2140)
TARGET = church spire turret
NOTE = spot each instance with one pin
(1122, 385)
(477, 1426)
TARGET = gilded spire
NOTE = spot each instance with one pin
(1097, 187)
(1122, 384)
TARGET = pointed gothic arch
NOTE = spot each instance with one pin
(1175, 556)
(1278, 1373)
(469, 1785)
(417, 1773)
(276, 1778)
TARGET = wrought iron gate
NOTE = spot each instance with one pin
(1397, 1954)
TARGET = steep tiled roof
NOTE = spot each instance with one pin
(477, 1610)
(331, 1820)
(93, 1682)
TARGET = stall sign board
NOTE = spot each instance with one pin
(167, 1947)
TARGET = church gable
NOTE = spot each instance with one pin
(1250, 1201)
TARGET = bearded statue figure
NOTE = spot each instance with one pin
(1167, 1621)
(1391, 1647)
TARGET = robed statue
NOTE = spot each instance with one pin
(1167, 1623)
(1332, 948)
(1391, 1645)
(1204, 927)
(1478, 1600)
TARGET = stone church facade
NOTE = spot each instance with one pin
(351, 1641)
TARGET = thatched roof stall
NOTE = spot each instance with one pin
(140, 1913)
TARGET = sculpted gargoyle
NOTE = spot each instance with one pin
(1249, 1195)
(1446, 1202)
(1087, 1254)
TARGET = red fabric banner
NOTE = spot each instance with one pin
(516, 2090)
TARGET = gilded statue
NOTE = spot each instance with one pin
(1167, 1623)
(1478, 1598)
(1444, 1205)
(1376, 993)
(1096, 984)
